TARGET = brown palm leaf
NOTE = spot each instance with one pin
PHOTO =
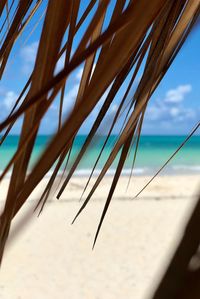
(112, 51)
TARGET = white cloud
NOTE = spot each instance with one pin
(177, 95)
(171, 107)
(174, 111)
(73, 92)
(69, 99)
(113, 108)
(161, 111)
(8, 100)
(154, 112)
(60, 64)
(28, 54)
(79, 74)
(163, 118)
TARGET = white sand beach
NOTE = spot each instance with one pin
(50, 258)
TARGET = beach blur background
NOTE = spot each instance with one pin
(46, 256)
(55, 259)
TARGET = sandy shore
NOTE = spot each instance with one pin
(52, 259)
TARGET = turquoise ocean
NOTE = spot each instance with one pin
(152, 153)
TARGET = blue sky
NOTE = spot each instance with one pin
(174, 108)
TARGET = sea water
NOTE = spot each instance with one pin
(153, 152)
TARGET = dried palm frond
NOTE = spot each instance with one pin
(138, 36)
